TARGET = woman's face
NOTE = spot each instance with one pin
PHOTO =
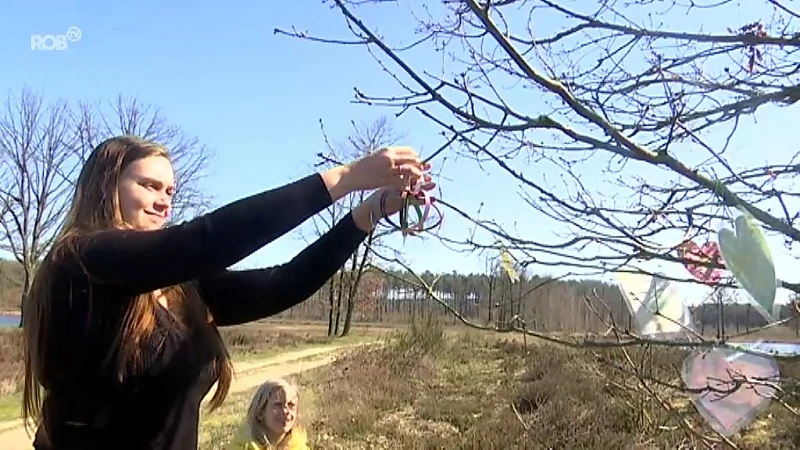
(145, 192)
(280, 413)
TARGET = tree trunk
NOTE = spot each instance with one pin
(747, 318)
(703, 320)
(348, 316)
(357, 273)
(26, 289)
(330, 307)
(338, 316)
(339, 295)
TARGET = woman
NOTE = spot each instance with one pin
(271, 421)
(120, 326)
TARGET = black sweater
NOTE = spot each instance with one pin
(85, 407)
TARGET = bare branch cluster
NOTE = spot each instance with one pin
(635, 96)
(42, 148)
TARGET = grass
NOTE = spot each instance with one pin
(430, 389)
(218, 427)
(10, 406)
(257, 341)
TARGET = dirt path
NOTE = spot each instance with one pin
(248, 374)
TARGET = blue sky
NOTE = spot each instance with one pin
(256, 97)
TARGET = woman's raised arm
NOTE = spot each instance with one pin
(141, 261)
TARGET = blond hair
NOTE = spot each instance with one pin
(257, 431)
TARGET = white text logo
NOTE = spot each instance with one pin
(50, 42)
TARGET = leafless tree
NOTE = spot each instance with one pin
(343, 287)
(37, 161)
(98, 121)
(42, 147)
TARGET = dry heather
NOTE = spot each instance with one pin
(426, 390)
(11, 355)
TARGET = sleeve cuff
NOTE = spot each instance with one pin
(349, 227)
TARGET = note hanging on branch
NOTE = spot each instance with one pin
(730, 388)
(417, 199)
(656, 306)
(747, 256)
(708, 253)
(507, 263)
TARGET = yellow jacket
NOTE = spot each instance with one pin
(297, 440)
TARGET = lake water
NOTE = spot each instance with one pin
(9, 320)
(778, 348)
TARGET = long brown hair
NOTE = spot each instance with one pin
(95, 206)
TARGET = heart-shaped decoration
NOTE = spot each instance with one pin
(708, 253)
(747, 256)
(726, 405)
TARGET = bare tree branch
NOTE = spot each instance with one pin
(648, 111)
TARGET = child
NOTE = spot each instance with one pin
(271, 420)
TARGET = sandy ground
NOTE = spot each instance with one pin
(248, 374)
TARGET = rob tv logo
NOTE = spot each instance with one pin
(49, 42)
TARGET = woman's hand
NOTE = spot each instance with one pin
(391, 166)
(368, 213)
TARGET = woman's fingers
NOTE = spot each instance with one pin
(406, 176)
(410, 169)
(399, 163)
(404, 155)
(407, 170)
(402, 150)
(393, 201)
(399, 182)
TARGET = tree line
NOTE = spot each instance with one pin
(545, 304)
